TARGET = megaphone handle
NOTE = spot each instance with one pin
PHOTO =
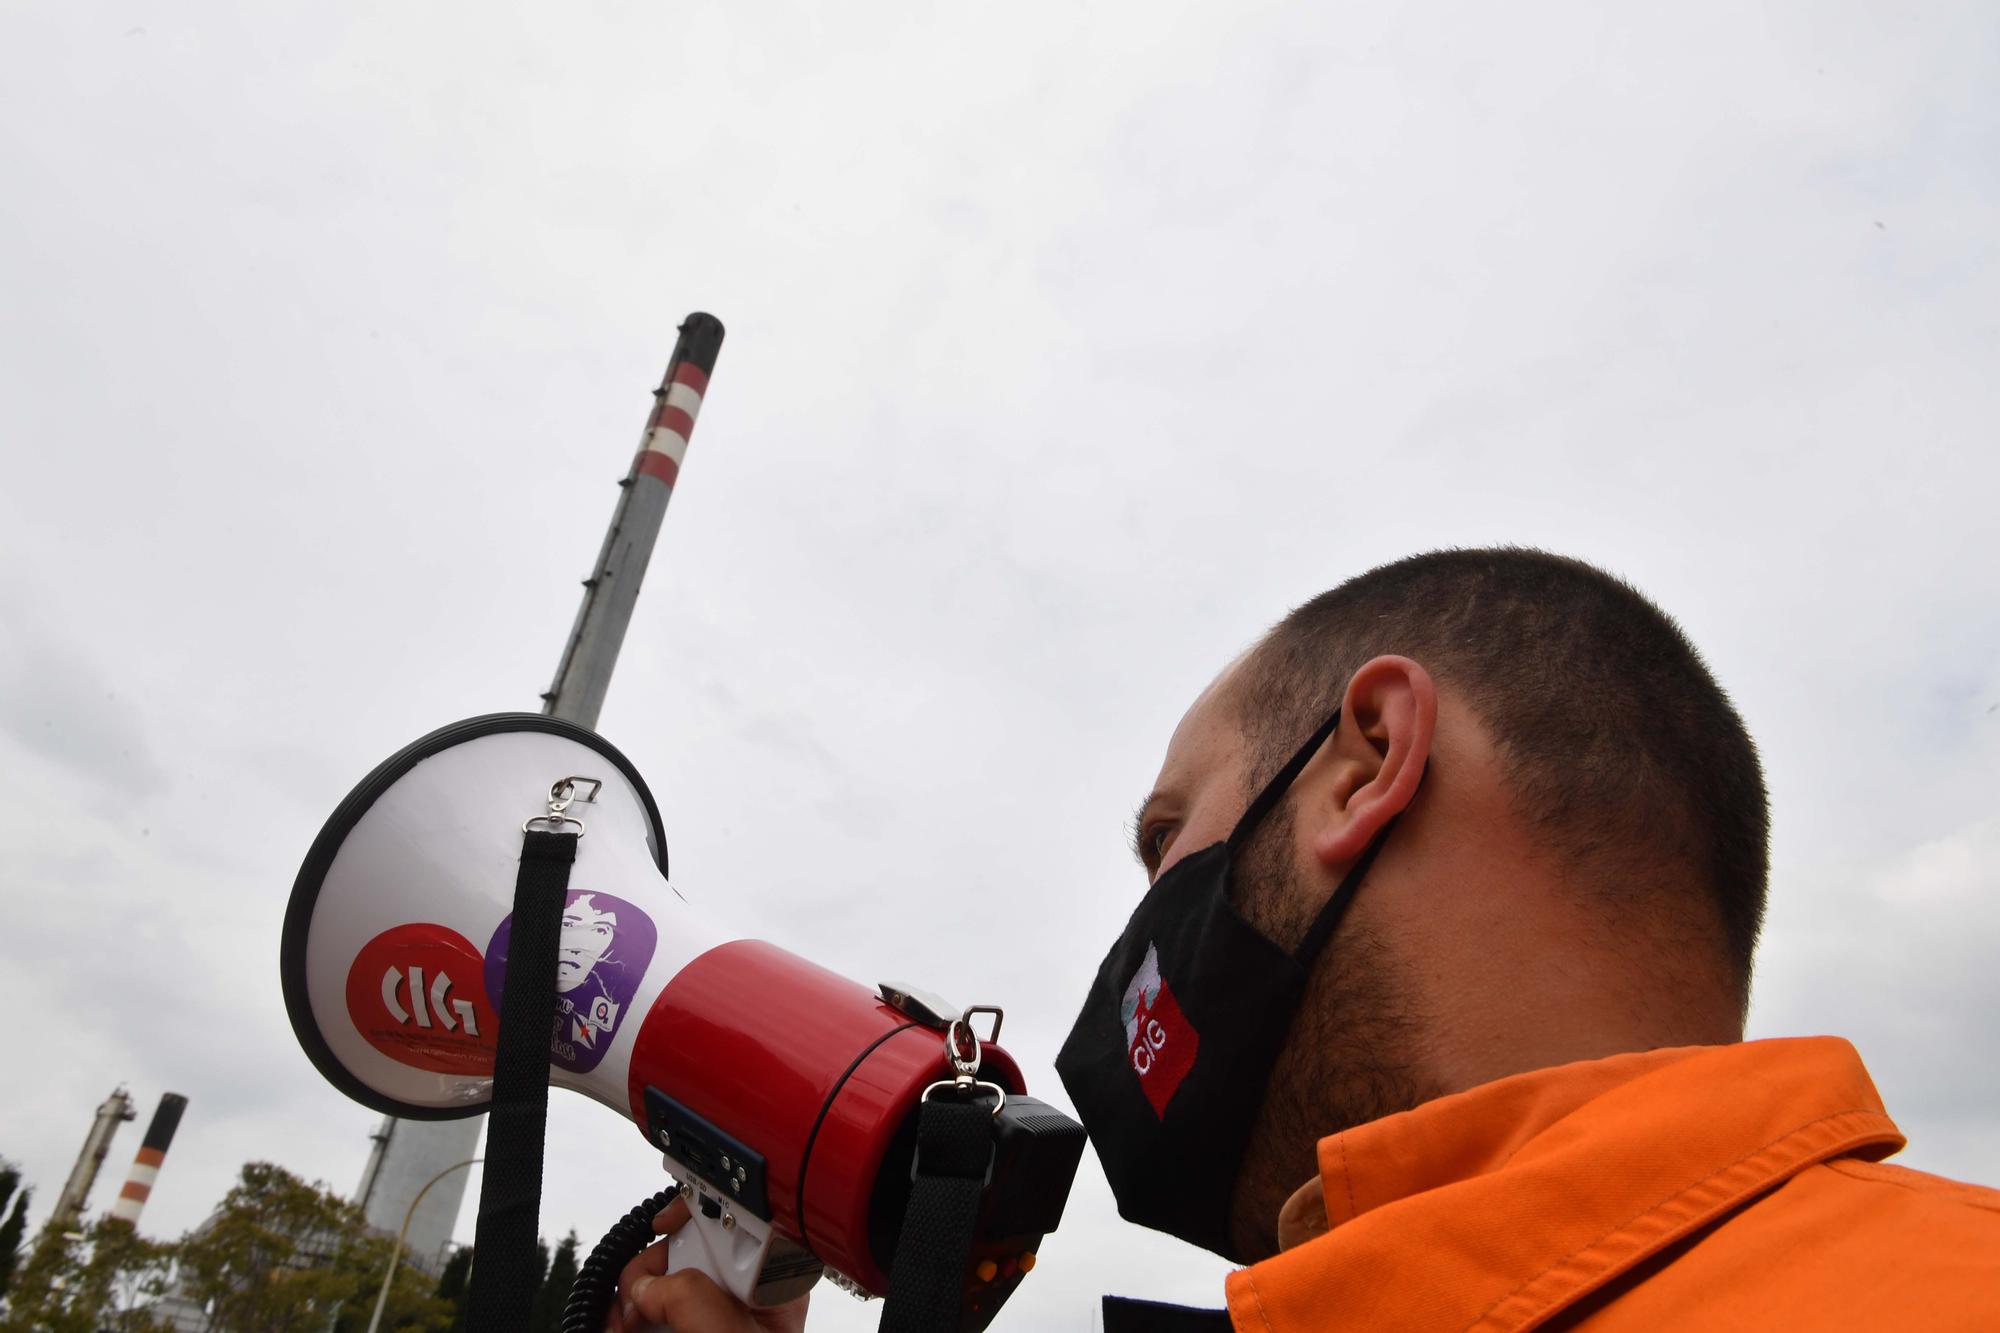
(693, 1247)
(689, 1248)
(730, 1248)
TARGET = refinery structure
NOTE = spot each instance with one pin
(67, 1215)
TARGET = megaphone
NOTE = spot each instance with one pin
(783, 1097)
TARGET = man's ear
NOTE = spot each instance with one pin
(1388, 720)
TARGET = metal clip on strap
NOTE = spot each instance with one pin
(949, 1172)
(961, 1051)
(560, 796)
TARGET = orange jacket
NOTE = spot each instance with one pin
(1714, 1187)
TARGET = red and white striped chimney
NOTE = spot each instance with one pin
(677, 402)
(146, 1166)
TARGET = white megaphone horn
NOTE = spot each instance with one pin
(784, 1097)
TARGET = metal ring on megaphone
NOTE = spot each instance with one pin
(563, 791)
(965, 1066)
(555, 821)
(965, 1056)
(963, 1084)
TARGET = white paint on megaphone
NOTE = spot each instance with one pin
(406, 943)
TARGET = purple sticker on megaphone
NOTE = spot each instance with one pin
(605, 946)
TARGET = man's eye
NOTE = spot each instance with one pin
(1155, 842)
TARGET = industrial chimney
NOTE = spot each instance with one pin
(115, 1111)
(146, 1166)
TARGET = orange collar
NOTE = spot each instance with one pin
(1498, 1206)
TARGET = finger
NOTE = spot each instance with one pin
(670, 1218)
(649, 1262)
(689, 1299)
(618, 1319)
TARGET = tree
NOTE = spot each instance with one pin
(284, 1256)
(38, 1298)
(16, 1224)
(454, 1285)
(545, 1316)
(413, 1306)
(125, 1274)
(95, 1281)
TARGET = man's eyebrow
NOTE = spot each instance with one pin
(1138, 823)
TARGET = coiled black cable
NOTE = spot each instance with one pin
(596, 1285)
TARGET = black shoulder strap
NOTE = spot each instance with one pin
(510, 1190)
(1123, 1316)
(955, 1147)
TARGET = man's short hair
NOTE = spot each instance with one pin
(1622, 752)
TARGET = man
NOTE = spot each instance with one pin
(1432, 1015)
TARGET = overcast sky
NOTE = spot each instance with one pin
(1068, 348)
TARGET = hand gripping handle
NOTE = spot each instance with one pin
(740, 1252)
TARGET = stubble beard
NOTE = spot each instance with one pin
(1353, 1052)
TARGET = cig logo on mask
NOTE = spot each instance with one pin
(1159, 1038)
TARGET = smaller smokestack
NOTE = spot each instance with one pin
(116, 1110)
(146, 1166)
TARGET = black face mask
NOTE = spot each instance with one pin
(1169, 1060)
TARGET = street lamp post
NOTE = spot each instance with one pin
(396, 1255)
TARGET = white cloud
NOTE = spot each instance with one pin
(1064, 355)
